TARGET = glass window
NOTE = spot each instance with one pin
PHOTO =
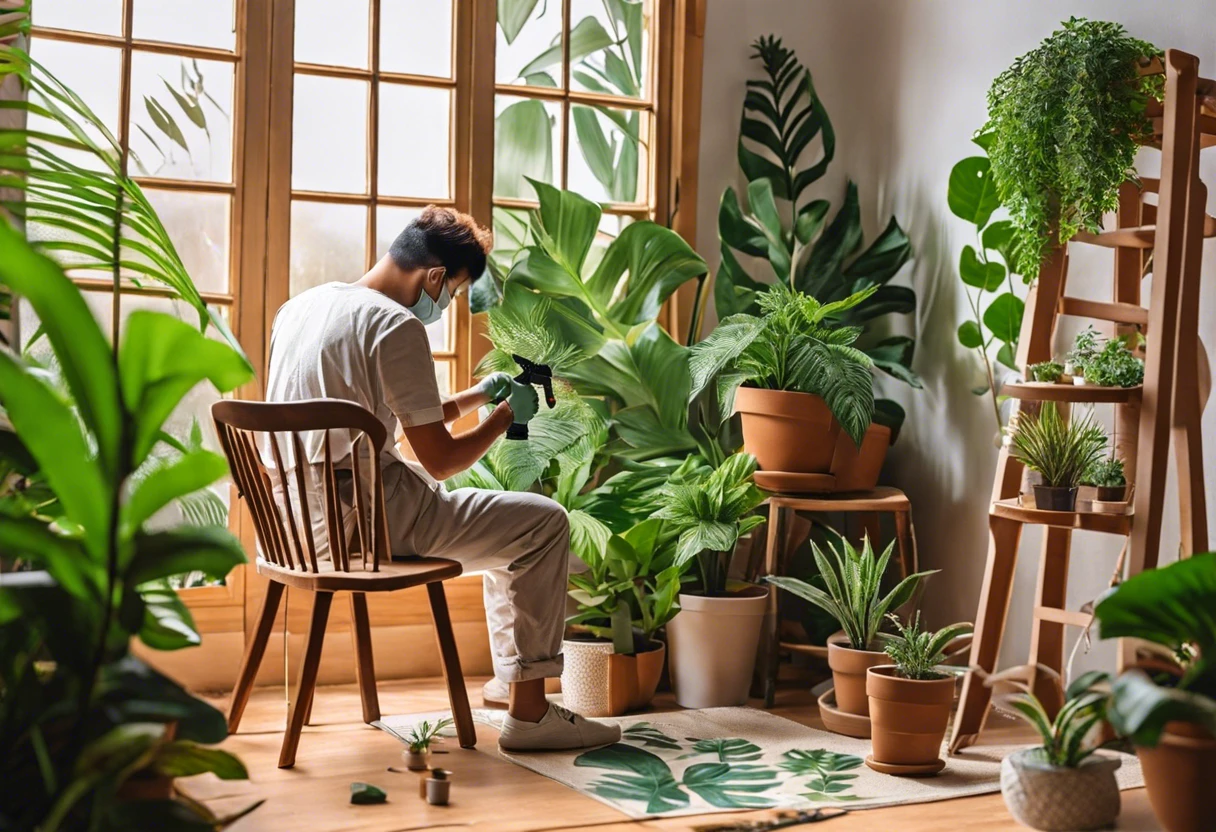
(416, 37)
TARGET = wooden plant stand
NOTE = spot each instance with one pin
(1169, 236)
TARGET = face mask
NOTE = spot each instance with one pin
(427, 309)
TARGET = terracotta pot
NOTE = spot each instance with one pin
(632, 680)
(908, 717)
(857, 469)
(585, 676)
(141, 788)
(792, 432)
(713, 647)
(1180, 774)
(1055, 498)
(416, 760)
(1111, 493)
(849, 668)
(1055, 799)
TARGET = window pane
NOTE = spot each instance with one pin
(416, 37)
(529, 43)
(199, 24)
(198, 224)
(181, 117)
(332, 33)
(527, 142)
(391, 221)
(415, 141)
(103, 16)
(443, 375)
(329, 135)
(94, 74)
(607, 154)
(327, 243)
(608, 52)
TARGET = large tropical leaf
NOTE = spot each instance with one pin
(732, 786)
(727, 750)
(523, 148)
(643, 777)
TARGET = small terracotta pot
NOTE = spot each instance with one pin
(415, 760)
(857, 469)
(1056, 799)
(849, 668)
(1055, 498)
(791, 432)
(1180, 774)
(714, 641)
(632, 680)
(908, 717)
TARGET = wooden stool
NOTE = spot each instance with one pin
(869, 504)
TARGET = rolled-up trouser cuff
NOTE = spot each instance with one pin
(517, 670)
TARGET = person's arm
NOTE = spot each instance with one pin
(444, 455)
(463, 403)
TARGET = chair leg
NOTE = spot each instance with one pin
(365, 669)
(308, 678)
(905, 543)
(770, 647)
(253, 654)
(1047, 637)
(457, 695)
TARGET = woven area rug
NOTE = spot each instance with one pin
(727, 759)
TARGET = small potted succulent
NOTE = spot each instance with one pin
(911, 699)
(1115, 365)
(1048, 372)
(1170, 717)
(1061, 451)
(419, 741)
(628, 592)
(1061, 784)
(1085, 348)
(1107, 479)
(853, 578)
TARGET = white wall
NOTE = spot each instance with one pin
(904, 82)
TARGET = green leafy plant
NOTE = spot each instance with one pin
(792, 345)
(1170, 606)
(1085, 348)
(1064, 738)
(1106, 472)
(782, 116)
(1046, 371)
(79, 715)
(423, 735)
(709, 512)
(854, 589)
(987, 268)
(1066, 120)
(918, 653)
(1115, 365)
(1061, 450)
(631, 582)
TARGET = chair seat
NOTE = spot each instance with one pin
(881, 499)
(391, 576)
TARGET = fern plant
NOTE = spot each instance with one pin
(854, 581)
(792, 345)
(918, 653)
(1062, 451)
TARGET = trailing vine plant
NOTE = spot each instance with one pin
(1066, 120)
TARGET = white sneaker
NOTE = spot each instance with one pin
(559, 729)
(495, 693)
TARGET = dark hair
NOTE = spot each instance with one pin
(443, 237)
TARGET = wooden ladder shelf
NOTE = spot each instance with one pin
(1165, 239)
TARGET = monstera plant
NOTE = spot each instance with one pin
(781, 226)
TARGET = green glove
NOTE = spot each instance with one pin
(495, 386)
(524, 402)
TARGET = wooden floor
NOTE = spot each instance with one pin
(488, 793)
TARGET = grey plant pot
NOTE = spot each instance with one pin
(1055, 799)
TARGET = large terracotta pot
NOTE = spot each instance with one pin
(1180, 774)
(849, 668)
(857, 469)
(908, 717)
(1055, 799)
(632, 680)
(792, 432)
(713, 647)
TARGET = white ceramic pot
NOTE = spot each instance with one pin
(712, 645)
(1055, 799)
(585, 676)
(438, 792)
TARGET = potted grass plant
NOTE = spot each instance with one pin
(1170, 717)
(1061, 784)
(854, 598)
(419, 741)
(1060, 450)
(614, 662)
(910, 699)
(714, 638)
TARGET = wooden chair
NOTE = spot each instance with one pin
(289, 552)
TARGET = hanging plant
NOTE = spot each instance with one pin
(1065, 121)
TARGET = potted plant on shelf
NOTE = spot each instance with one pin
(802, 382)
(1046, 372)
(419, 741)
(628, 593)
(853, 597)
(1085, 348)
(1170, 717)
(1061, 451)
(1061, 784)
(1105, 476)
(715, 636)
(1115, 365)
(910, 699)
